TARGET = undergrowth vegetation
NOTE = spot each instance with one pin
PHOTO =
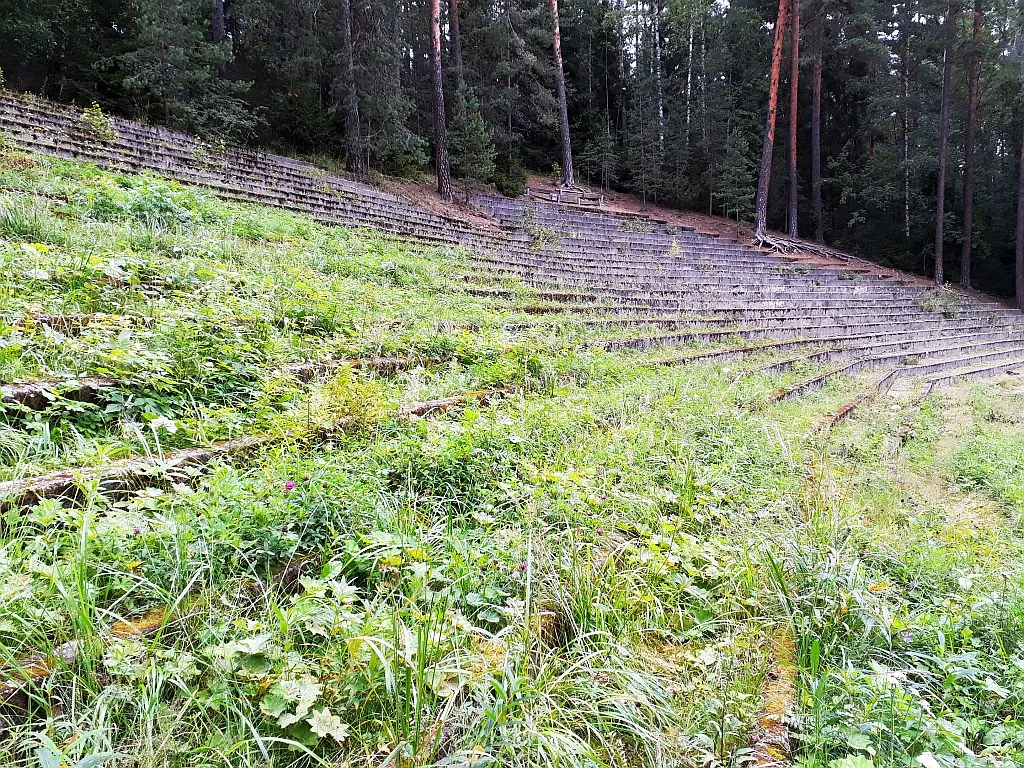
(584, 571)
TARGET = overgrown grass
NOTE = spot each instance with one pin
(585, 572)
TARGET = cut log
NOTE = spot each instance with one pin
(37, 395)
(133, 473)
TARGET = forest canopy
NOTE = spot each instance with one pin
(665, 99)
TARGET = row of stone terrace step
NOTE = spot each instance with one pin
(826, 311)
(663, 269)
(234, 174)
(65, 134)
(601, 237)
(820, 313)
(598, 227)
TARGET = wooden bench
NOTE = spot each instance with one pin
(581, 198)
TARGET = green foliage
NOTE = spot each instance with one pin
(151, 202)
(906, 622)
(97, 124)
(171, 73)
(600, 160)
(23, 220)
(583, 571)
(737, 178)
(471, 146)
(993, 464)
(510, 177)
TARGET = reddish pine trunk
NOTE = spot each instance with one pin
(568, 178)
(1020, 229)
(940, 207)
(794, 80)
(905, 77)
(353, 132)
(442, 167)
(819, 216)
(972, 123)
(455, 31)
(220, 33)
(764, 177)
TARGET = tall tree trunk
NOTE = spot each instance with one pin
(657, 79)
(353, 131)
(905, 77)
(765, 174)
(689, 86)
(568, 178)
(940, 207)
(220, 33)
(819, 43)
(441, 165)
(794, 101)
(455, 30)
(1020, 229)
(703, 83)
(973, 79)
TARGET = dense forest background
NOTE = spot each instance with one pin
(666, 98)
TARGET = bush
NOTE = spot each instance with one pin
(150, 201)
(97, 123)
(511, 179)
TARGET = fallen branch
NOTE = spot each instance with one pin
(129, 474)
(431, 407)
(123, 475)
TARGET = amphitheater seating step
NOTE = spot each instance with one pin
(619, 271)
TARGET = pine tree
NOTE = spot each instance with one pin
(171, 73)
(353, 131)
(816, 203)
(1019, 260)
(458, 64)
(764, 177)
(947, 73)
(387, 107)
(471, 144)
(600, 159)
(220, 33)
(441, 164)
(973, 79)
(737, 177)
(568, 177)
(794, 79)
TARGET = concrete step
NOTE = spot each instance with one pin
(978, 361)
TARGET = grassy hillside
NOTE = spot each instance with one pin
(603, 562)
